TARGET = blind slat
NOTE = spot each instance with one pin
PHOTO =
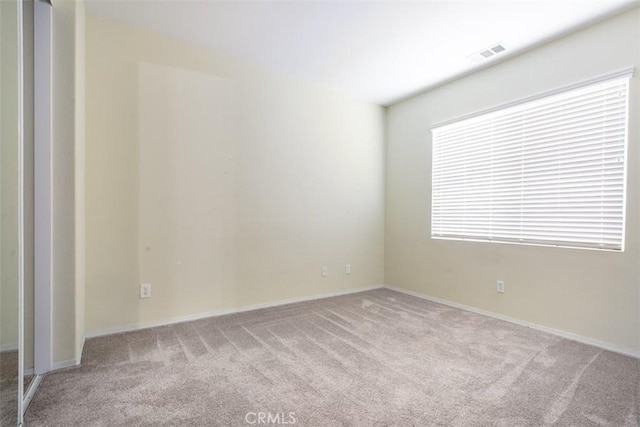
(550, 171)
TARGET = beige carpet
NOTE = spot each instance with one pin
(8, 388)
(377, 358)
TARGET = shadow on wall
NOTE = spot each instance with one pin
(186, 158)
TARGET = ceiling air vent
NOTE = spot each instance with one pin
(486, 53)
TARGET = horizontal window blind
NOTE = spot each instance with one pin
(549, 171)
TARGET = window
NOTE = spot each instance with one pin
(547, 171)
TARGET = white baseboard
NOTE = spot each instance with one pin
(216, 313)
(64, 364)
(8, 347)
(564, 334)
(79, 357)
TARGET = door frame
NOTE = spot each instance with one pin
(43, 194)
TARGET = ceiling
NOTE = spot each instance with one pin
(378, 51)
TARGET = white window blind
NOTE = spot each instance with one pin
(549, 171)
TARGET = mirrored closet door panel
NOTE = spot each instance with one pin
(9, 212)
(28, 191)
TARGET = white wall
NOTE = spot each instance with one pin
(63, 171)
(221, 185)
(79, 178)
(590, 293)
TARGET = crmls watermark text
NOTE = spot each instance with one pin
(266, 418)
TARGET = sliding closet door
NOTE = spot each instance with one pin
(10, 395)
(28, 208)
(42, 186)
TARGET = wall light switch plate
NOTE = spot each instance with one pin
(347, 269)
(500, 286)
(323, 271)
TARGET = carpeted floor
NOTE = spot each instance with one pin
(377, 358)
(8, 388)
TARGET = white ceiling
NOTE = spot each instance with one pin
(378, 51)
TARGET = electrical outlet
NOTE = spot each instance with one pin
(500, 286)
(145, 290)
(347, 269)
(323, 271)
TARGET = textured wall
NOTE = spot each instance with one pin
(221, 185)
(591, 293)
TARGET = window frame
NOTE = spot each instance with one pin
(626, 73)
